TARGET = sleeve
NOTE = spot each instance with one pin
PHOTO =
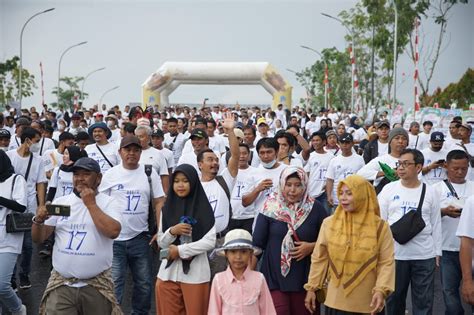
(308, 166)
(436, 224)
(229, 180)
(53, 182)
(113, 209)
(319, 262)
(215, 300)
(165, 239)
(265, 301)
(466, 221)
(260, 231)
(383, 204)
(201, 246)
(41, 175)
(104, 186)
(370, 170)
(330, 171)
(170, 160)
(156, 185)
(162, 165)
(385, 282)
(47, 161)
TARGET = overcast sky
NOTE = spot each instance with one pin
(133, 38)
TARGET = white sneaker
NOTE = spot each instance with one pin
(22, 311)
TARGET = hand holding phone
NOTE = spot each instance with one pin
(60, 210)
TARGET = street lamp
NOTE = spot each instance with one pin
(61, 59)
(84, 81)
(100, 100)
(353, 54)
(395, 31)
(21, 51)
(325, 74)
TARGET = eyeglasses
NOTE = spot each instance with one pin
(405, 164)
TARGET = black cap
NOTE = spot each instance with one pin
(346, 137)
(199, 133)
(86, 163)
(5, 133)
(76, 116)
(200, 121)
(437, 136)
(130, 140)
(383, 123)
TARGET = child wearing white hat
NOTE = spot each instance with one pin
(239, 290)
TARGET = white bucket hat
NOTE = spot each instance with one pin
(238, 239)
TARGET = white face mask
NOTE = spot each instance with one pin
(35, 147)
(110, 123)
(4, 149)
(61, 127)
(269, 165)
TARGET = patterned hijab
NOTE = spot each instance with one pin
(277, 207)
(353, 241)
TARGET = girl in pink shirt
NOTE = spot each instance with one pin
(239, 290)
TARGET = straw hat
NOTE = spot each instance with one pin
(238, 239)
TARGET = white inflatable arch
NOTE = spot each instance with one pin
(160, 84)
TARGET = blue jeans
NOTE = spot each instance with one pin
(25, 259)
(136, 254)
(420, 273)
(8, 297)
(451, 276)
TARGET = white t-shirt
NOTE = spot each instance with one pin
(437, 174)
(466, 221)
(217, 144)
(11, 242)
(116, 137)
(175, 144)
(317, 167)
(46, 145)
(417, 142)
(132, 189)
(260, 174)
(15, 142)
(450, 225)
(382, 148)
(395, 200)
(52, 159)
(359, 135)
(168, 154)
(191, 159)
(111, 152)
(370, 170)
(37, 175)
(340, 167)
(156, 159)
(80, 250)
(244, 179)
(62, 181)
(311, 127)
(218, 199)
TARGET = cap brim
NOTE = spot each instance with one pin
(221, 251)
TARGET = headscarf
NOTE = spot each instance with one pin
(6, 167)
(352, 241)
(75, 153)
(195, 205)
(353, 124)
(276, 206)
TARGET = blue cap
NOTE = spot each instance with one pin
(100, 125)
(437, 136)
(86, 163)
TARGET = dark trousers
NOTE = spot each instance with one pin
(420, 274)
(245, 224)
(451, 276)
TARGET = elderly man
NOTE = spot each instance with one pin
(83, 248)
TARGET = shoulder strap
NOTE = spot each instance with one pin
(416, 144)
(13, 183)
(451, 188)
(224, 186)
(98, 148)
(422, 198)
(29, 166)
(42, 145)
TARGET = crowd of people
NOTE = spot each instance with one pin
(249, 210)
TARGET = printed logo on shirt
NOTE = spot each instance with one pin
(396, 197)
(77, 237)
(408, 206)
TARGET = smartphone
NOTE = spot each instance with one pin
(60, 210)
(164, 253)
(440, 161)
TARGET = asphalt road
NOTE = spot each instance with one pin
(41, 269)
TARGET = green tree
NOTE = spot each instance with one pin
(461, 92)
(66, 95)
(9, 81)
